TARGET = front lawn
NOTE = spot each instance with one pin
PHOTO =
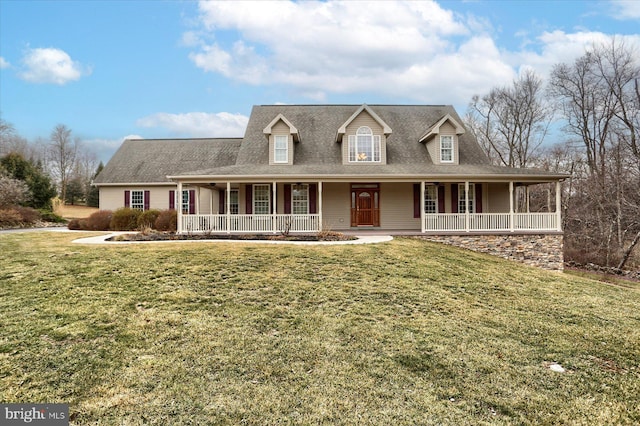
(406, 332)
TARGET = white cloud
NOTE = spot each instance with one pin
(626, 9)
(50, 65)
(557, 46)
(4, 63)
(198, 124)
(403, 49)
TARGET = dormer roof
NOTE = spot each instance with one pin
(435, 129)
(343, 129)
(292, 128)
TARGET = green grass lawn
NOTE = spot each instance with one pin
(406, 332)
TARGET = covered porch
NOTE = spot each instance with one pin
(424, 207)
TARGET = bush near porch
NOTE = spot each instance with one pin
(405, 332)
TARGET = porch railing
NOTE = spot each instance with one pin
(202, 223)
(491, 222)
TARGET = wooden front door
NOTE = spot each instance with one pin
(365, 205)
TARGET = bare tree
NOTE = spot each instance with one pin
(600, 105)
(511, 122)
(63, 150)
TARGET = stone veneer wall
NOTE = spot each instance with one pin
(542, 250)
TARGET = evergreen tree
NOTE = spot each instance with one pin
(93, 194)
(40, 187)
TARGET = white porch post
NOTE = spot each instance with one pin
(179, 207)
(211, 201)
(466, 205)
(227, 201)
(197, 203)
(526, 192)
(275, 205)
(511, 215)
(558, 207)
(319, 205)
(422, 228)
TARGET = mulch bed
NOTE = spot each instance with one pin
(333, 236)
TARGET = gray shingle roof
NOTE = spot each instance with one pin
(317, 154)
(152, 160)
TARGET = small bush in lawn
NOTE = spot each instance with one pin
(148, 218)
(28, 214)
(49, 216)
(167, 221)
(74, 224)
(10, 217)
(99, 221)
(125, 219)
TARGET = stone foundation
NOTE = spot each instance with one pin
(541, 250)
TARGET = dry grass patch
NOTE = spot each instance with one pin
(74, 212)
(406, 332)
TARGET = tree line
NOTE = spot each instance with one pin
(594, 101)
(32, 173)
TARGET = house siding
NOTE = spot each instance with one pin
(364, 119)
(280, 129)
(112, 198)
(336, 206)
(396, 206)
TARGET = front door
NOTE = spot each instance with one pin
(365, 205)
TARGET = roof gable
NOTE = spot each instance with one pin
(435, 129)
(343, 129)
(294, 131)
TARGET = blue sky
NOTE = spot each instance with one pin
(157, 69)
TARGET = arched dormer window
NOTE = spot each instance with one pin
(364, 146)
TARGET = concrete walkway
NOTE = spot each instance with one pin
(361, 239)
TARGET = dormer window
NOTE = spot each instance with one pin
(364, 146)
(446, 149)
(281, 149)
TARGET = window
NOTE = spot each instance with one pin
(300, 199)
(446, 149)
(261, 199)
(233, 201)
(364, 146)
(186, 197)
(281, 149)
(430, 199)
(137, 200)
(461, 198)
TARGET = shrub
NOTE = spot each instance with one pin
(27, 214)
(167, 221)
(10, 217)
(125, 219)
(99, 221)
(49, 216)
(74, 224)
(147, 218)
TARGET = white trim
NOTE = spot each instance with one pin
(442, 149)
(277, 149)
(435, 129)
(343, 129)
(292, 129)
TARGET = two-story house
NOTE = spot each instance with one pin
(303, 168)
